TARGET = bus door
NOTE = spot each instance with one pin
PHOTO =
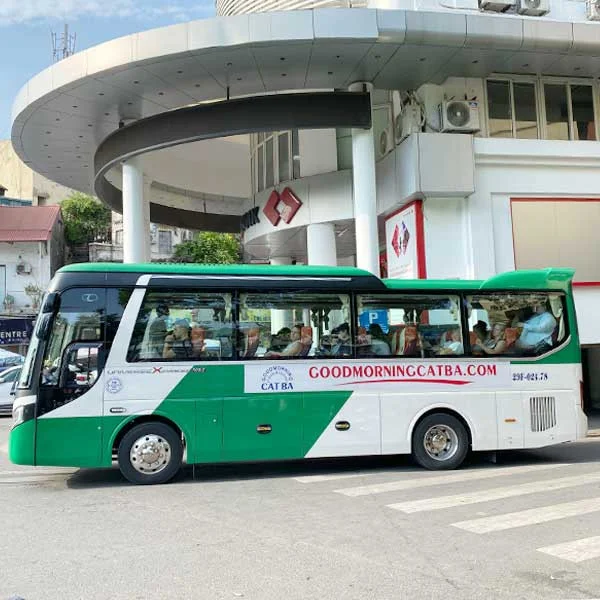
(69, 423)
(69, 406)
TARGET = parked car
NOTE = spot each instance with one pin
(8, 379)
(9, 359)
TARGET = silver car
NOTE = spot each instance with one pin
(8, 378)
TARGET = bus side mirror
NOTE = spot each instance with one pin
(79, 365)
(43, 326)
(51, 303)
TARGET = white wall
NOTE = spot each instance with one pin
(507, 169)
(447, 238)
(33, 253)
(318, 151)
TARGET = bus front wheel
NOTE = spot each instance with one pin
(150, 453)
(440, 441)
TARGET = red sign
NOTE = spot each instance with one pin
(282, 206)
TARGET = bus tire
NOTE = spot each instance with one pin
(150, 453)
(440, 442)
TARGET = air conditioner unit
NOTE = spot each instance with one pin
(408, 122)
(384, 143)
(592, 10)
(23, 268)
(533, 8)
(497, 5)
(459, 116)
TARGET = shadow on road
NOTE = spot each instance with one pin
(580, 452)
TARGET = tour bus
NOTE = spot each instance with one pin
(150, 366)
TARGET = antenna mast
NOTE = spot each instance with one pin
(63, 45)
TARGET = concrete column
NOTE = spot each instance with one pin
(147, 241)
(365, 194)
(281, 318)
(320, 244)
(134, 245)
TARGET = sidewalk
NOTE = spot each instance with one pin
(594, 425)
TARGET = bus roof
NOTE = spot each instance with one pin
(549, 278)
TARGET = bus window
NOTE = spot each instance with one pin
(294, 325)
(409, 325)
(183, 325)
(514, 324)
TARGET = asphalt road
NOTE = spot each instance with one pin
(525, 527)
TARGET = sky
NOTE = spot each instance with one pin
(26, 27)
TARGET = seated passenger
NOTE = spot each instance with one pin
(342, 345)
(536, 337)
(407, 342)
(481, 331)
(158, 331)
(294, 348)
(496, 341)
(451, 343)
(178, 344)
(379, 345)
(281, 339)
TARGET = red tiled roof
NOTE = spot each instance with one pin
(27, 223)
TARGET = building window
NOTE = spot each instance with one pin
(119, 237)
(563, 111)
(165, 242)
(271, 159)
(569, 112)
(512, 110)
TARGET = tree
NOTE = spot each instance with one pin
(85, 219)
(209, 248)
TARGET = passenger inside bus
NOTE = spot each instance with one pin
(378, 344)
(451, 343)
(178, 344)
(537, 331)
(496, 342)
(406, 341)
(295, 347)
(158, 331)
(342, 343)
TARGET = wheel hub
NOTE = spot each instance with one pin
(441, 442)
(150, 454)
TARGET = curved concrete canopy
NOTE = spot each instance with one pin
(61, 116)
(232, 117)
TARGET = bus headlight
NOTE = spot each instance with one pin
(18, 415)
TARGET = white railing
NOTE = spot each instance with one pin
(227, 8)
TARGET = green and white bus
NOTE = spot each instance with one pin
(154, 365)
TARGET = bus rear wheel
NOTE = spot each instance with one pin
(439, 442)
(150, 453)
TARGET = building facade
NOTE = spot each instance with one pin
(477, 152)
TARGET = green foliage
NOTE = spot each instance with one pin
(85, 218)
(209, 248)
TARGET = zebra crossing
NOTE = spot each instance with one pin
(503, 486)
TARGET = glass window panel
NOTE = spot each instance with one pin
(261, 168)
(411, 326)
(182, 326)
(525, 111)
(499, 109)
(515, 324)
(557, 112)
(269, 171)
(284, 157)
(582, 102)
(298, 325)
(295, 155)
